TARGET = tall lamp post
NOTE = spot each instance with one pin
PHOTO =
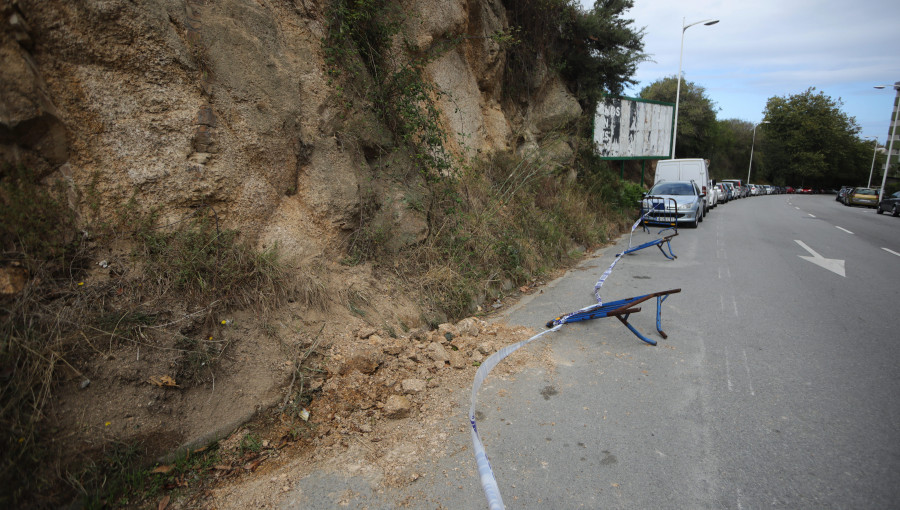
(874, 152)
(891, 135)
(752, 143)
(684, 28)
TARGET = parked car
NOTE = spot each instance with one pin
(789, 190)
(723, 193)
(686, 205)
(890, 203)
(691, 169)
(863, 196)
(739, 187)
(731, 191)
(842, 193)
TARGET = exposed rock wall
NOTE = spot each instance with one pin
(226, 103)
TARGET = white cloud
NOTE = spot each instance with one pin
(766, 48)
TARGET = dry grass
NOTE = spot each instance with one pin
(177, 277)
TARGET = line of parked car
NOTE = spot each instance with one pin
(868, 197)
(683, 193)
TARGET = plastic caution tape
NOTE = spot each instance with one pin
(488, 482)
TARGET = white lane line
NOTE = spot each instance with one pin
(891, 251)
(734, 302)
(844, 229)
(797, 208)
(749, 379)
(811, 215)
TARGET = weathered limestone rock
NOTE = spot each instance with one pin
(412, 386)
(437, 352)
(364, 358)
(396, 407)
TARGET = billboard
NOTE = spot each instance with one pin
(631, 128)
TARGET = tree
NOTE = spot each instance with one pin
(729, 153)
(809, 141)
(696, 114)
(595, 50)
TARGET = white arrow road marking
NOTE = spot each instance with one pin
(891, 251)
(833, 265)
(844, 229)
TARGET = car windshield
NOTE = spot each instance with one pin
(672, 188)
(866, 191)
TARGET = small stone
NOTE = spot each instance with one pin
(396, 407)
(392, 349)
(412, 386)
(437, 352)
(84, 384)
(485, 348)
(366, 332)
(447, 328)
(468, 326)
(364, 358)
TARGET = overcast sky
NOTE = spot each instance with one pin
(765, 48)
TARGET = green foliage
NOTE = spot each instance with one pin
(121, 478)
(505, 219)
(596, 50)
(206, 263)
(361, 58)
(809, 141)
(730, 149)
(696, 115)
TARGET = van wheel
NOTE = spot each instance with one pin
(894, 211)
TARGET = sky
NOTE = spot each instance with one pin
(766, 48)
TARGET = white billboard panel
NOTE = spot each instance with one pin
(627, 128)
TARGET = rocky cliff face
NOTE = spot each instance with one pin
(227, 103)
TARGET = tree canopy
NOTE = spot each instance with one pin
(809, 141)
(696, 115)
(730, 145)
(597, 50)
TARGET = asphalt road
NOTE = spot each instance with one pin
(779, 384)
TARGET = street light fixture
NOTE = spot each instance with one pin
(891, 134)
(752, 143)
(706, 22)
(874, 152)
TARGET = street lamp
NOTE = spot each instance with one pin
(891, 129)
(752, 143)
(684, 28)
(874, 152)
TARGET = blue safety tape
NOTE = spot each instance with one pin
(488, 482)
(485, 473)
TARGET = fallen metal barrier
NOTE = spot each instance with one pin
(620, 309)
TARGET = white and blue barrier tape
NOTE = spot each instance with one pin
(485, 473)
(488, 482)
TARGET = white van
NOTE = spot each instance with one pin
(696, 170)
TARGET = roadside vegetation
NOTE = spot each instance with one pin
(497, 222)
(806, 139)
(494, 223)
(166, 290)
